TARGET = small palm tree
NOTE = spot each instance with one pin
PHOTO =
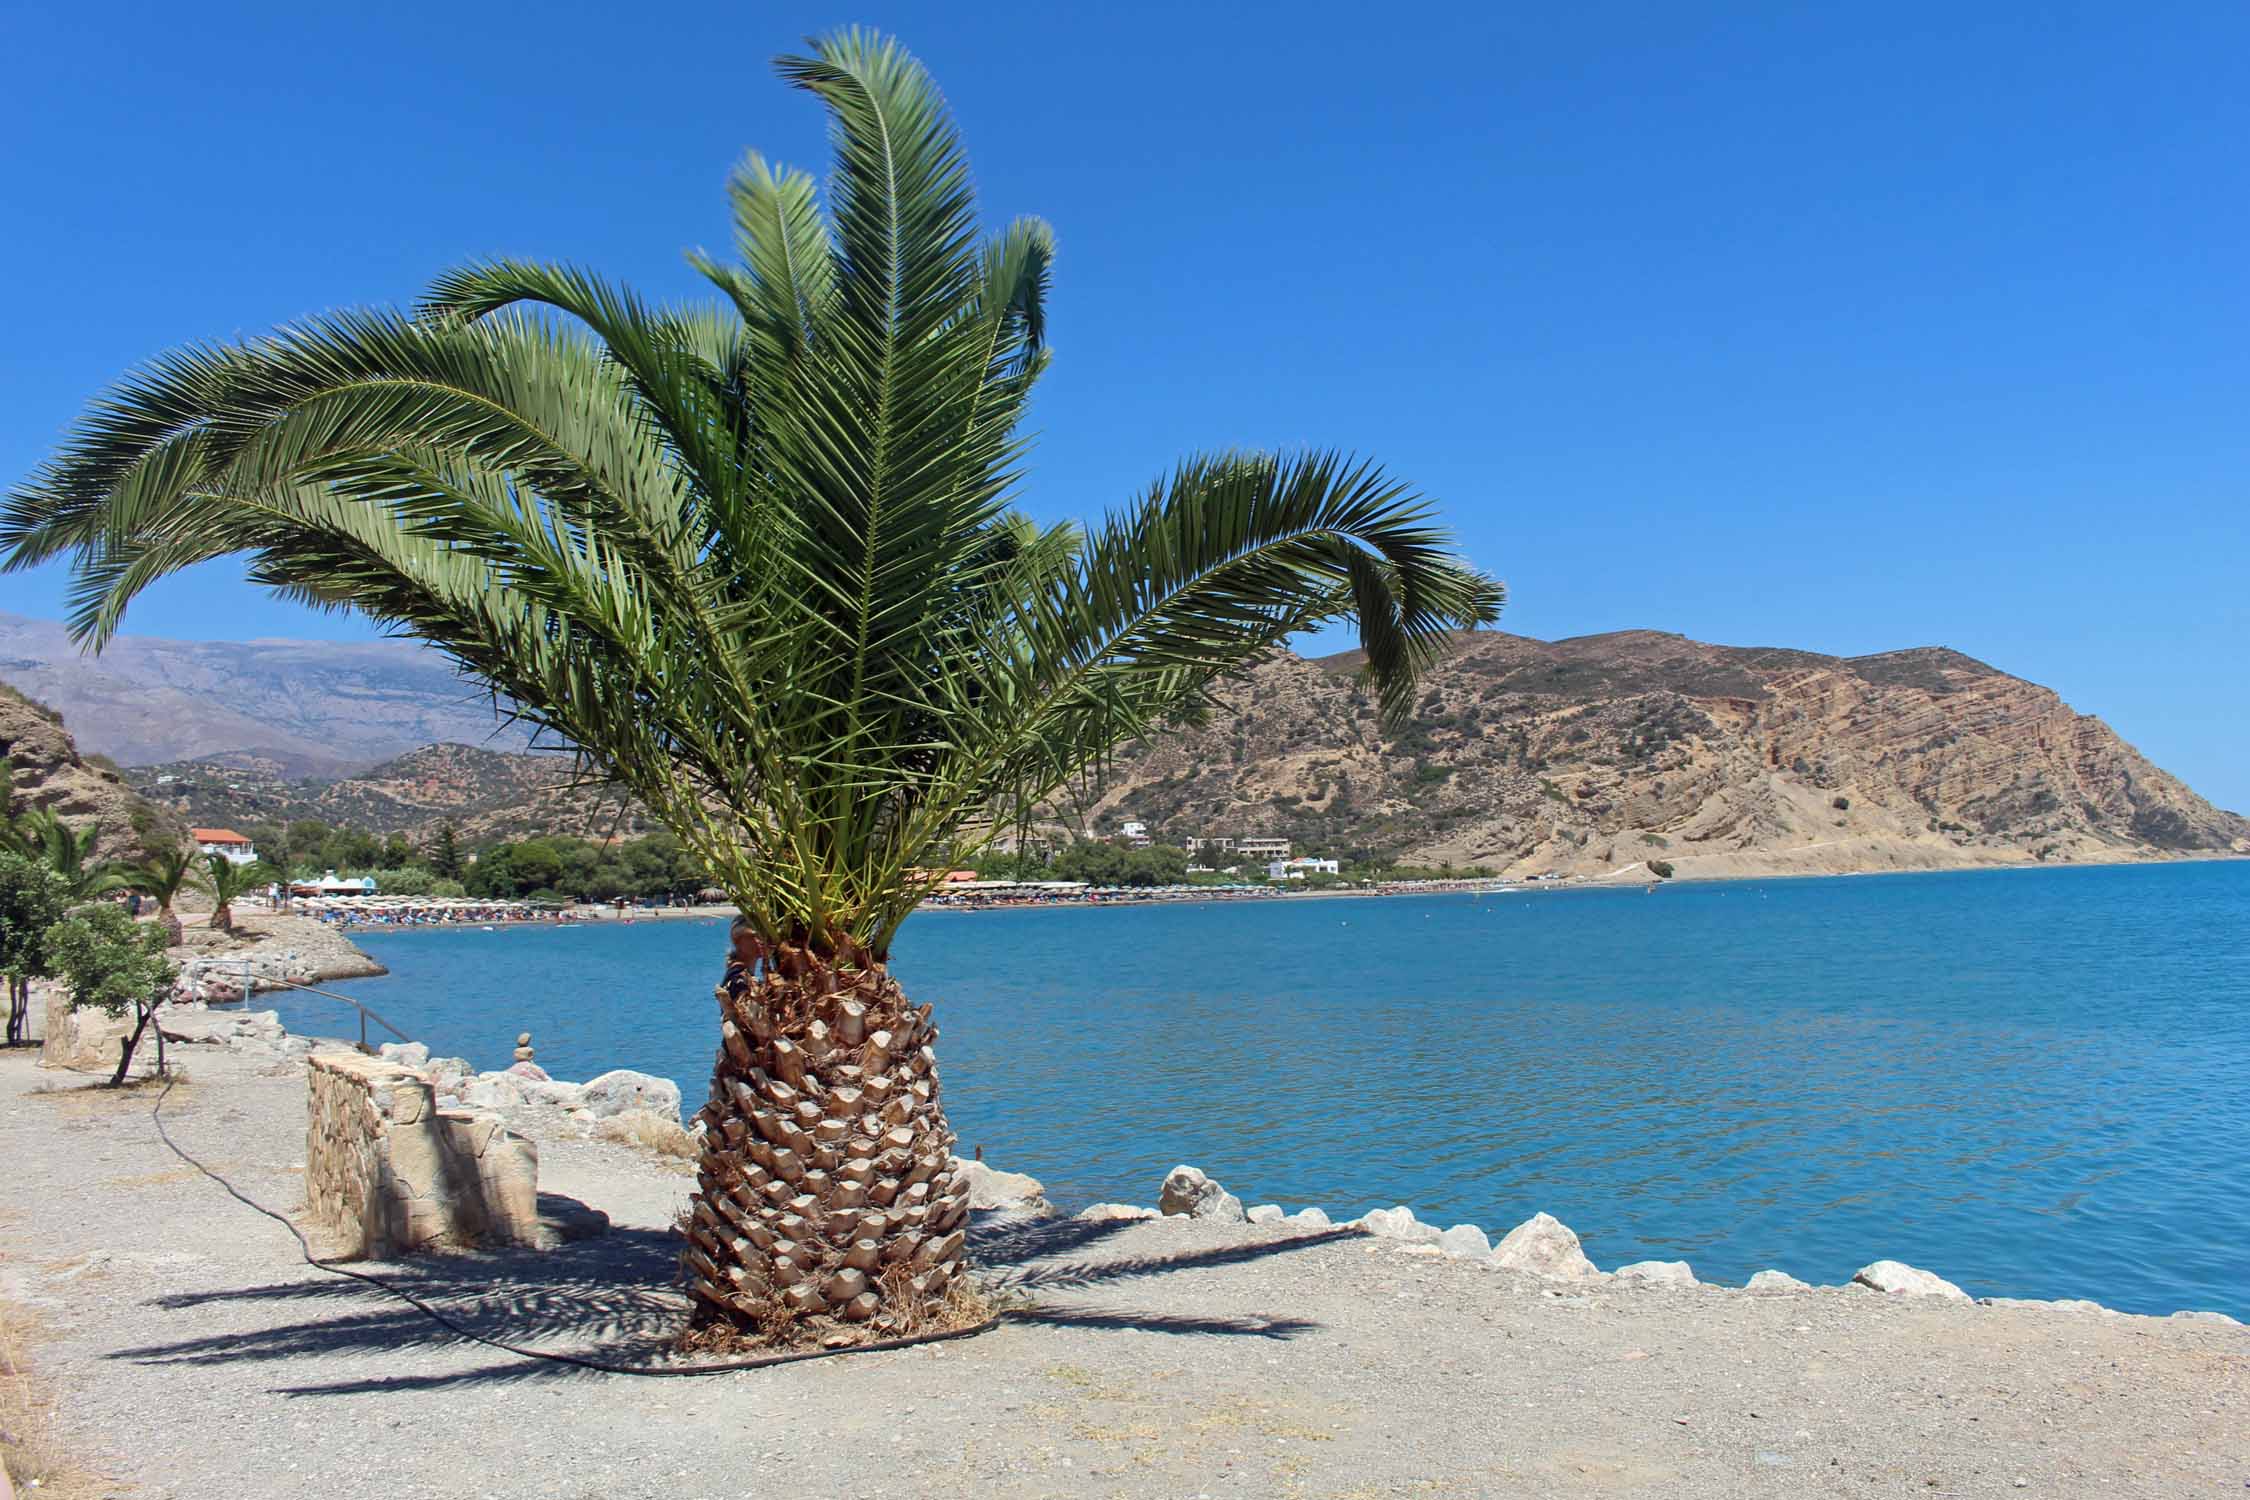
(41, 836)
(757, 562)
(228, 883)
(163, 875)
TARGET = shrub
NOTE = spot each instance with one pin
(1842, 804)
(108, 960)
(1661, 869)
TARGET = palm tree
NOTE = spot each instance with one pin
(757, 563)
(41, 836)
(228, 883)
(164, 875)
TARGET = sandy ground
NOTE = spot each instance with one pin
(194, 1354)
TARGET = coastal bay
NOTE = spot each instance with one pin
(2029, 1081)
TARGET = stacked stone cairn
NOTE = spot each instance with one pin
(828, 1185)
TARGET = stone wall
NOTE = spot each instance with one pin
(391, 1172)
(85, 1039)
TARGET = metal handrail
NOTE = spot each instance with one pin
(365, 1015)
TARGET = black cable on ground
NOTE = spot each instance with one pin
(444, 1320)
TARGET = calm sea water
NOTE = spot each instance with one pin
(2036, 1083)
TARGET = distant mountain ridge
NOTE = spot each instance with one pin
(1594, 755)
(480, 793)
(1599, 754)
(313, 707)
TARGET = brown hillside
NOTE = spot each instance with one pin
(49, 772)
(1595, 754)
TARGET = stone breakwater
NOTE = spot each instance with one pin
(641, 1110)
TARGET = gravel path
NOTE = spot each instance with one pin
(196, 1355)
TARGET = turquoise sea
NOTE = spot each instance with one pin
(2036, 1083)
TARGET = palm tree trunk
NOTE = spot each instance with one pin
(826, 1185)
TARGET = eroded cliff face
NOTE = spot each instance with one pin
(49, 773)
(1597, 754)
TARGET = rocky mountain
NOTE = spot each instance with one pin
(312, 707)
(1586, 756)
(48, 771)
(1598, 754)
(482, 793)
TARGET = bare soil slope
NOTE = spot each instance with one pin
(1596, 754)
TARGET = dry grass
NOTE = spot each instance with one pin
(37, 1463)
(649, 1132)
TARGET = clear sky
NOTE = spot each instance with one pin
(1846, 328)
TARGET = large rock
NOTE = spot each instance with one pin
(1311, 1218)
(1187, 1191)
(407, 1054)
(1017, 1194)
(1266, 1213)
(1902, 1280)
(2200, 1315)
(1398, 1223)
(1465, 1242)
(622, 1089)
(446, 1071)
(1115, 1213)
(554, 1093)
(492, 1091)
(1664, 1272)
(1776, 1281)
(1544, 1246)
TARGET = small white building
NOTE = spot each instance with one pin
(226, 843)
(1135, 834)
(1298, 869)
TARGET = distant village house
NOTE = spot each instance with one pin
(226, 843)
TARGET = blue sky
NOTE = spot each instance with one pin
(1846, 328)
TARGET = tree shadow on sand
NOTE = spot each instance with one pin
(614, 1299)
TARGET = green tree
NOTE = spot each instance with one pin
(163, 875)
(758, 564)
(404, 880)
(43, 837)
(111, 962)
(228, 883)
(445, 854)
(32, 899)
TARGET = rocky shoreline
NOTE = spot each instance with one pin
(640, 1110)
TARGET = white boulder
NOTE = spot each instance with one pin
(1776, 1281)
(1663, 1272)
(1187, 1191)
(1017, 1194)
(1266, 1213)
(556, 1094)
(622, 1089)
(1398, 1223)
(1311, 1218)
(1902, 1280)
(409, 1054)
(1544, 1246)
(442, 1070)
(1114, 1213)
(1465, 1242)
(492, 1091)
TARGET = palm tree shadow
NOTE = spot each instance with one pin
(613, 1299)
